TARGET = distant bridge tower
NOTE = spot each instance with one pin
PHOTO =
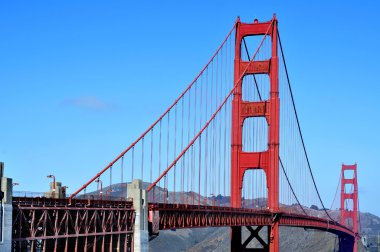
(349, 199)
(267, 160)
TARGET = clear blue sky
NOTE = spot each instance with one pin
(79, 80)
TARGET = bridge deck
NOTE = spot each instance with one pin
(171, 216)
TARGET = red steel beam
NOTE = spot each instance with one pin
(55, 225)
(189, 216)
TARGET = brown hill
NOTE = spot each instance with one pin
(218, 239)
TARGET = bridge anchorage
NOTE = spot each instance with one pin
(228, 152)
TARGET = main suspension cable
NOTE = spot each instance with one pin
(336, 191)
(282, 166)
(299, 128)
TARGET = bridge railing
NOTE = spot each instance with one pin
(28, 194)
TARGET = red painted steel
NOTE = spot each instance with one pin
(190, 216)
(347, 214)
(267, 160)
(44, 224)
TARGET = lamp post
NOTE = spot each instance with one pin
(101, 187)
(53, 191)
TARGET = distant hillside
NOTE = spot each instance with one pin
(291, 239)
(218, 239)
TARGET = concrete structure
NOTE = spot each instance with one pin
(139, 196)
(5, 212)
(57, 191)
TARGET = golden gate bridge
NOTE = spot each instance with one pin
(229, 152)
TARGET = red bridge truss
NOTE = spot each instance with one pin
(41, 224)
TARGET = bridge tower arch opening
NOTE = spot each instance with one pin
(255, 190)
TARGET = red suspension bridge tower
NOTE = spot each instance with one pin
(267, 160)
(349, 199)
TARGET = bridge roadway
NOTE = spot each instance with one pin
(174, 216)
(64, 225)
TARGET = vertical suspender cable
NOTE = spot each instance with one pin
(175, 148)
(299, 129)
(121, 175)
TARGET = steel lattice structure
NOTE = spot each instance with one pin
(84, 225)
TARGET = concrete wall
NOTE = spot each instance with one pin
(6, 213)
(6, 243)
(58, 192)
(141, 234)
